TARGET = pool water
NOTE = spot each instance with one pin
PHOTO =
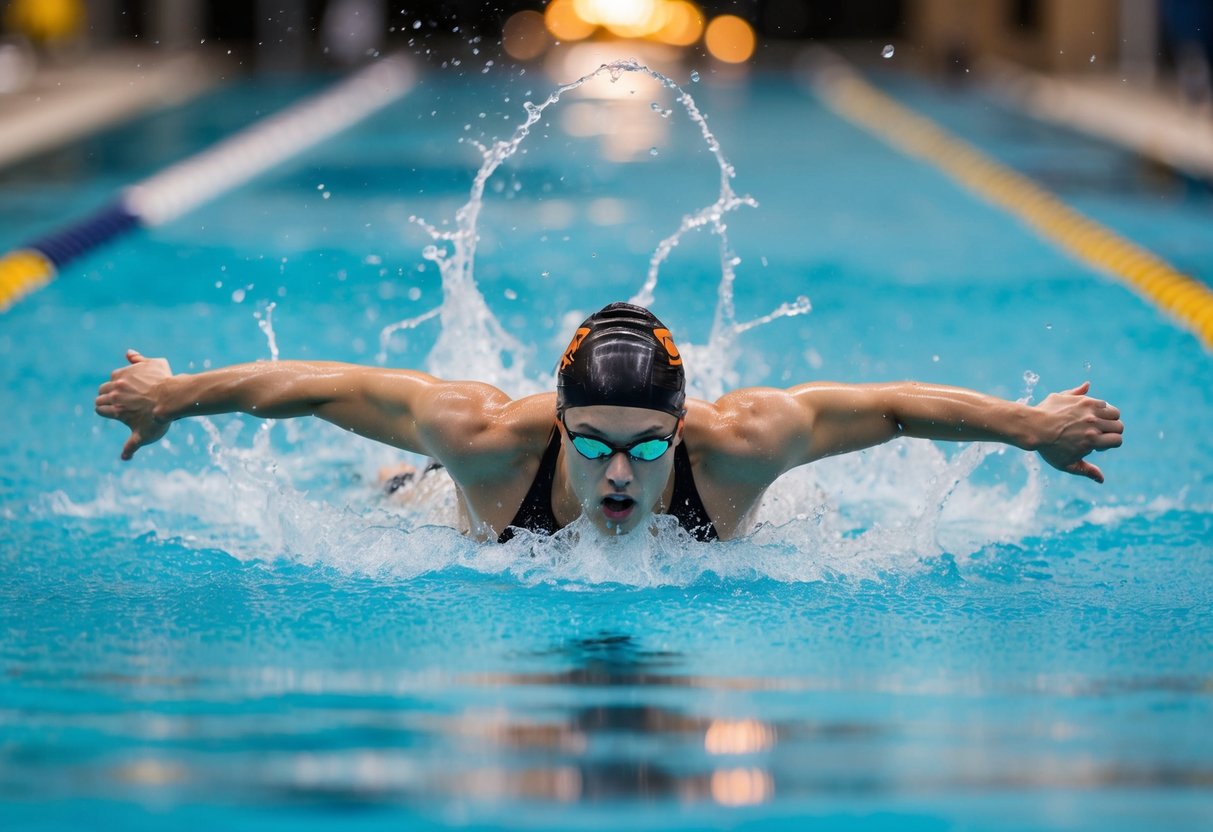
(236, 630)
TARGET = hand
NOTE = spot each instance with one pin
(1078, 425)
(130, 397)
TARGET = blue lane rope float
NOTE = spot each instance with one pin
(1187, 300)
(185, 185)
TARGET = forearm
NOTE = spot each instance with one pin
(930, 411)
(272, 390)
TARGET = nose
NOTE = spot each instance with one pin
(619, 471)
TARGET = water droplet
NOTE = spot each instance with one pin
(510, 294)
(694, 76)
(545, 274)
(238, 296)
(887, 52)
(652, 151)
(1092, 59)
(935, 358)
(1086, 365)
(326, 194)
(1049, 326)
(416, 24)
(414, 293)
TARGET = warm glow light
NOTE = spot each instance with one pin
(744, 736)
(729, 39)
(683, 24)
(613, 13)
(564, 23)
(523, 36)
(741, 786)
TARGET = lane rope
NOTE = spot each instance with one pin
(1187, 300)
(206, 175)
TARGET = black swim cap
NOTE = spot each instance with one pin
(622, 356)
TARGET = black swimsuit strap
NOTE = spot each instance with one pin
(686, 505)
(535, 514)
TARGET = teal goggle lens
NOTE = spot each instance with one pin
(645, 451)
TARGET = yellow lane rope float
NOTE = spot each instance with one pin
(1188, 301)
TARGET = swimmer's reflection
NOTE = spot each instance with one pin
(612, 750)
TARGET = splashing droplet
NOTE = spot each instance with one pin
(652, 151)
(1086, 365)
(887, 52)
(1092, 59)
(694, 76)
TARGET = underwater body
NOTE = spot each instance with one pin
(238, 626)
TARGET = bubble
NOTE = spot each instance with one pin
(887, 52)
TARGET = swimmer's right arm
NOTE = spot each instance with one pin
(407, 409)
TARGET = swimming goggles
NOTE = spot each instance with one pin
(646, 450)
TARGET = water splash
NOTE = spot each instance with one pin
(473, 343)
(266, 324)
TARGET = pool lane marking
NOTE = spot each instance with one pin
(222, 167)
(21, 272)
(1187, 300)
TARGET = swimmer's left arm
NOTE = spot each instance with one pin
(812, 421)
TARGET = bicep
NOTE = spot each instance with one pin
(841, 418)
(389, 406)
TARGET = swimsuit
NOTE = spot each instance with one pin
(535, 514)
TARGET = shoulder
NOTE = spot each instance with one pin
(480, 428)
(742, 421)
(743, 435)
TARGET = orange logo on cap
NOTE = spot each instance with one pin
(667, 341)
(578, 337)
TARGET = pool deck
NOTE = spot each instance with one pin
(1151, 119)
(65, 100)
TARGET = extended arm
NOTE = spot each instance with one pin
(817, 420)
(407, 409)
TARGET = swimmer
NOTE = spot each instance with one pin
(619, 441)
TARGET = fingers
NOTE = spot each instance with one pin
(1085, 469)
(134, 356)
(1080, 390)
(132, 444)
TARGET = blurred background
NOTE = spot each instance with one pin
(109, 58)
(1139, 37)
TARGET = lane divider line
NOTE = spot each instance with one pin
(1187, 300)
(204, 176)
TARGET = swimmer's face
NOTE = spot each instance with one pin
(618, 492)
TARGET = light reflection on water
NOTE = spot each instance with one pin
(612, 721)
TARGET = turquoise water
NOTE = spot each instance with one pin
(235, 630)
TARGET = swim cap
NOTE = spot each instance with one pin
(622, 356)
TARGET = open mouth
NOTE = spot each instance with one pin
(616, 507)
